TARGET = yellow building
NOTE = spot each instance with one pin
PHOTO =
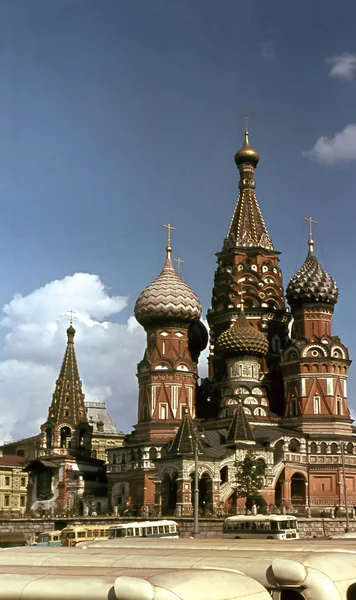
(13, 485)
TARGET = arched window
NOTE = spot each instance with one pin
(350, 448)
(153, 453)
(65, 437)
(48, 438)
(316, 404)
(333, 448)
(224, 475)
(123, 459)
(294, 445)
(293, 406)
(313, 448)
(338, 406)
(323, 448)
(261, 466)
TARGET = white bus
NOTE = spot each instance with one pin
(146, 529)
(272, 527)
(75, 534)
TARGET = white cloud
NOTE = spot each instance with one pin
(268, 50)
(107, 353)
(343, 66)
(333, 150)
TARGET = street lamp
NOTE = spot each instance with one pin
(345, 487)
(195, 440)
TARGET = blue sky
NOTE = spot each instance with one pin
(117, 116)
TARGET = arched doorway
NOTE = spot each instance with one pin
(169, 493)
(205, 492)
(278, 492)
(298, 489)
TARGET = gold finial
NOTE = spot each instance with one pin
(247, 119)
(70, 315)
(310, 242)
(180, 262)
(169, 227)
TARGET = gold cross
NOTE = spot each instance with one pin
(247, 119)
(169, 227)
(310, 227)
(180, 262)
(70, 314)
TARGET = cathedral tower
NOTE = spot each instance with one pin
(67, 430)
(248, 257)
(315, 363)
(169, 311)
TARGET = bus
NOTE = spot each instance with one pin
(272, 527)
(71, 536)
(49, 538)
(146, 529)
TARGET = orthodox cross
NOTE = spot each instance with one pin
(180, 262)
(247, 119)
(70, 315)
(169, 227)
(310, 227)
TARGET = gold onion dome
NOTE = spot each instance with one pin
(311, 284)
(242, 338)
(167, 298)
(246, 154)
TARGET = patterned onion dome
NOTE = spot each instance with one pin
(311, 284)
(247, 154)
(167, 298)
(242, 338)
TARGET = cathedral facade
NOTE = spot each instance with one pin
(277, 382)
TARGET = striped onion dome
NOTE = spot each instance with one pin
(242, 338)
(311, 284)
(167, 298)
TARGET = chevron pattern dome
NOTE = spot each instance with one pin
(311, 284)
(167, 298)
(242, 338)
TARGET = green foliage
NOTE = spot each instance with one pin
(249, 478)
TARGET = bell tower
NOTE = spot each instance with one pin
(315, 364)
(169, 311)
(248, 258)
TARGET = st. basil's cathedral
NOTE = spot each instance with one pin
(276, 388)
(276, 383)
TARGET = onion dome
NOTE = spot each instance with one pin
(246, 154)
(242, 338)
(70, 333)
(167, 298)
(311, 283)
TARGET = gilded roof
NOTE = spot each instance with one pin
(242, 338)
(167, 298)
(247, 228)
(311, 283)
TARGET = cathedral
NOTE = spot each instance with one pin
(276, 385)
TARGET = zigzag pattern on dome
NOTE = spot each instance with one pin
(167, 297)
(242, 338)
(311, 284)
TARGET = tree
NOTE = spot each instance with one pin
(249, 479)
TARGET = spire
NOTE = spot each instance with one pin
(68, 399)
(186, 437)
(240, 430)
(247, 229)
(310, 241)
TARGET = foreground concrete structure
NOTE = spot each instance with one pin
(182, 569)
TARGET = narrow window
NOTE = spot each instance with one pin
(316, 405)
